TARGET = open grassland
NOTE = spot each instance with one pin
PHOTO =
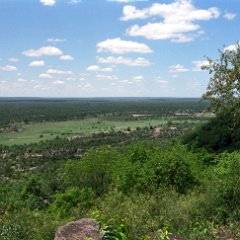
(25, 121)
(36, 132)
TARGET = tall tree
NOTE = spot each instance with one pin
(224, 87)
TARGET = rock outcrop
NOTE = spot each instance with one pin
(79, 230)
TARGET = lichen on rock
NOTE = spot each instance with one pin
(79, 230)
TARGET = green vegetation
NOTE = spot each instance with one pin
(36, 132)
(222, 132)
(55, 110)
(143, 176)
(224, 87)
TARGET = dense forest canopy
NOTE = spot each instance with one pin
(40, 109)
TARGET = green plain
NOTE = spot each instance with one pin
(36, 132)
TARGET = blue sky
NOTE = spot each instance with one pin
(112, 48)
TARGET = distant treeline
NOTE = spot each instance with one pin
(40, 109)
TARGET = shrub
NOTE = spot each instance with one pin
(35, 191)
(73, 199)
(227, 172)
(176, 167)
(97, 170)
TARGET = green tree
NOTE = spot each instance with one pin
(176, 167)
(224, 87)
(223, 92)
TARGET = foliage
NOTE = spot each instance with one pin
(228, 184)
(27, 224)
(35, 192)
(112, 228)
(218, 135)
(224, 89)
(175, 168)
(72, 199)
(13, 230)
(160, 234)
(143, 185)
(30, 110)
(153, 168)
(97, 170)
(110, 232)
(223, 92)
(214, 136)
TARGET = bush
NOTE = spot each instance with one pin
(176, 167)
(72, 199)
(173, 169)
(28, 225)
(155, 167)
(35, 191)
(227, 172)
(98, 169)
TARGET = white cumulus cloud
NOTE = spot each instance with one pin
(131, 13)
(93, 68)
(36, 64)
(58, 72)
(52, 73)
(43, 51)
(48, 2)
(106, 77)
(58, 82)
(56, 40)
(177, 20)
(177, 69)
(138, 78)
(45, 75)
(119, 46)
(96, 68)
(66, 57)
(229, 16)
(9, 68)
(141, 62)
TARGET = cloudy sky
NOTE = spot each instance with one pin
(107, 48)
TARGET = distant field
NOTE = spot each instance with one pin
(42, 119)
(36, 132)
